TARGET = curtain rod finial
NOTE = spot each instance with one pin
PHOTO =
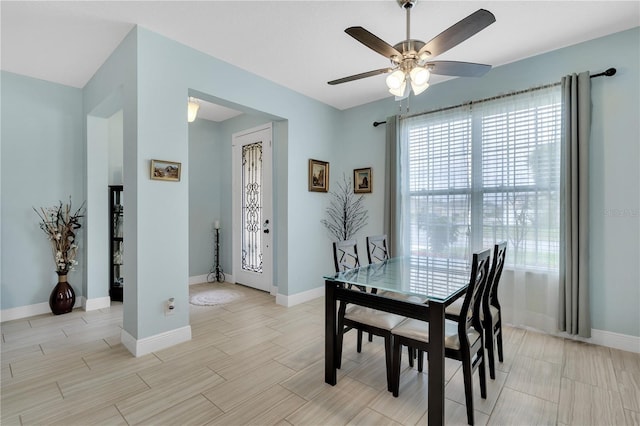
(610, 72)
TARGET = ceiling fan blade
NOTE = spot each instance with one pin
(373, 42)
(361, 75)
(459, 32)
(458, 69)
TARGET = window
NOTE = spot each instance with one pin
(483, 173)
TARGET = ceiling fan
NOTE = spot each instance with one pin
(411, 59)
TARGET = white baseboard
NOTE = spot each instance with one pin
(155, 343)
(25, 311)
(296, 299)
(32, 310)
(610, 339)
(97, 303)
(197, 279)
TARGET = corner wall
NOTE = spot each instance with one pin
(42, 163)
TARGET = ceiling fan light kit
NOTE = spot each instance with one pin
(411, 59)
(418, 78)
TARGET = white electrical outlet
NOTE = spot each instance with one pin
(170, 307)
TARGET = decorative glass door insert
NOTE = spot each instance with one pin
(252, 207)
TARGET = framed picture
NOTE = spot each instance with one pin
(362, 181)
(318, 176)
(165, 170)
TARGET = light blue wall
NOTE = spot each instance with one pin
(116, 144)
(114, 87)
(159, 221)
(163, 207)
(205, 192)
(614, 157)
(154, 126)
(363, 145)
(42, 163)
(311, 133)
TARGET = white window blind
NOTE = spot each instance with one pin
(484, 173)
(439, 185)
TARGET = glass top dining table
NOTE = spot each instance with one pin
(428, 277)
(439, 281)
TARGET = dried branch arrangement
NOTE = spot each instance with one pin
(346, 214)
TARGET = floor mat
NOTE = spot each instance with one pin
(215, 297)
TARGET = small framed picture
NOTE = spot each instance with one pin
(318, 176)
(362, 181)
(165, 170)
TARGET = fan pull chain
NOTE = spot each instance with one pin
(400, 104)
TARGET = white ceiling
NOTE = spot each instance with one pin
(214, 112)
(298, 44)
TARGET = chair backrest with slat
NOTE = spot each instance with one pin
(345, 255)
(491, 294)
(470, 311)
(377, 250)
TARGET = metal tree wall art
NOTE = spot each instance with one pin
(346, 214)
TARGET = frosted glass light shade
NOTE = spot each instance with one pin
(192, 110)
(417, 88)
(395, 80)
(420, 75)
(399, 91)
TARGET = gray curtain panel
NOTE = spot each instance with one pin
(574, 315)
(391, 185)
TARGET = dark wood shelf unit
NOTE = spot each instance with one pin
(116, 242)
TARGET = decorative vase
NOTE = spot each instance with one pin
(62, 297)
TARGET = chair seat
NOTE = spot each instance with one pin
(455, 307)
(372, 317)
(494, 313)
(419, 330)
(400, 296)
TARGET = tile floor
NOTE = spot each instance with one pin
(252, 362)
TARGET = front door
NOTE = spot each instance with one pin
(252, 208)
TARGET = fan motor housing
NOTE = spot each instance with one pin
(407, 46)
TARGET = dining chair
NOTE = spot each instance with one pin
(463, 339)
(377, 252)
(492, 321)
(345, 257)
(377, 249)
(372, 321)
(491, 313)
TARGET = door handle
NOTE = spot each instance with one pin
(265, 226)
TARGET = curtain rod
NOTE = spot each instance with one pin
(608, 73)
